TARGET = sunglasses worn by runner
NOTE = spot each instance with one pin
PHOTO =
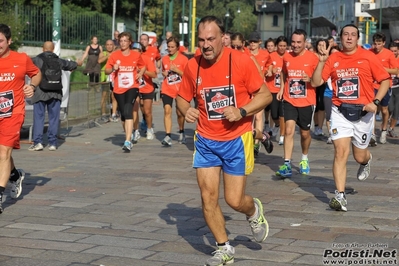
(238, 47)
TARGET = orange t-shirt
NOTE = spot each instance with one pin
(126, 76)
(297, 92)
(262, 58)
(388, 60)
(171, 83)
(153, 53)
(352, 76)
(273, 82)
(214, 93)
(13, 69)
(146, 84)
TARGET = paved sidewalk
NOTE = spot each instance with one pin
(89, 203)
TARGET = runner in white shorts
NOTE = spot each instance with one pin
(352, 73)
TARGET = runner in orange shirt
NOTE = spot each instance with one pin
(262, 57)
(272, 77)
(394, 101)
(353, 71)
(172, 69)
(146, 97)
(390, 64)
(129, 68)
(229, 92)
(299, 100)
(13, 90)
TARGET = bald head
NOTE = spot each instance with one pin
(168, 34)
(48, 46)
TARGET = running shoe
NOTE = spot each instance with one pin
(392, 133)
(281, 140)
(167, 141)
(373, 141)
(16, 187)
(150, 134)
(256, 149)
(114, 118)
(267, 143)
(52, 148)
(36, 147)
(339, 202)
(383, 137)
(259, 225)
(224, 255)
(127, 146)
(135, 136)
(304, 167)
(285, 170)
(318, 131)
(329, 140)
(364, 170)
(182, 138)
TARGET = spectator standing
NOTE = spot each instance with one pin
(92, 53)
(48, 94)
(13, 68)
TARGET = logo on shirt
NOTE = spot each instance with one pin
(336, 64)
(199, 81)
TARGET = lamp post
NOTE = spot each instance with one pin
(380, 18)
(309, 15)
(284, 2)
(238, 17)
(227, 19)
(164, 19)
(262, 27)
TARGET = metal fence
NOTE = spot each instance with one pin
(77, 26)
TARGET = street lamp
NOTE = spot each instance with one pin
(262, 27)
(227, 18)
(284, 2)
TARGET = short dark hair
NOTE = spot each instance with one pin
(175, 40)
(281, 39)
(126, 34)
(349, 25)
(209, 19)
(379, 36)
(300, 32)
(145, 34)
(269, 40)
(238, 36)
(5, 29)
(393, 44)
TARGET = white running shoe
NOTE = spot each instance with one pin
(16, 187)
(150, 134)
(364, 170)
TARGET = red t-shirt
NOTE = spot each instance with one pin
(13, 69)
(213, 93)
(153, 53)
(126, 76)
(273, 82)
(297, 92)
(146, 84)
(352, 76)
(262, 58)
(388, 60)
(171, 83)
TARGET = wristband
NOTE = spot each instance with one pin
(376, 102)
(34, 86)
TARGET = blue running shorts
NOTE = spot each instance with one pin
(236, 157)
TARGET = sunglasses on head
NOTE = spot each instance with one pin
(238, 47)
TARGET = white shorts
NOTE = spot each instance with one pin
(360, 131)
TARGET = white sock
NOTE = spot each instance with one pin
(304, 157)
(255, 215)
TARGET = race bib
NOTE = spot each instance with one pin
(216, 99)
(348, 88)
(6, 103)
(173, 78)
(125, 80)
(297, 88)
(277, 81)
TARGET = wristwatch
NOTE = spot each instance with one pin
(243, 112)
(34, 86)
(376, 102)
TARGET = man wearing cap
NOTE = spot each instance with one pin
(262, 57)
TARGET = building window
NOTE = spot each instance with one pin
(275, 21)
